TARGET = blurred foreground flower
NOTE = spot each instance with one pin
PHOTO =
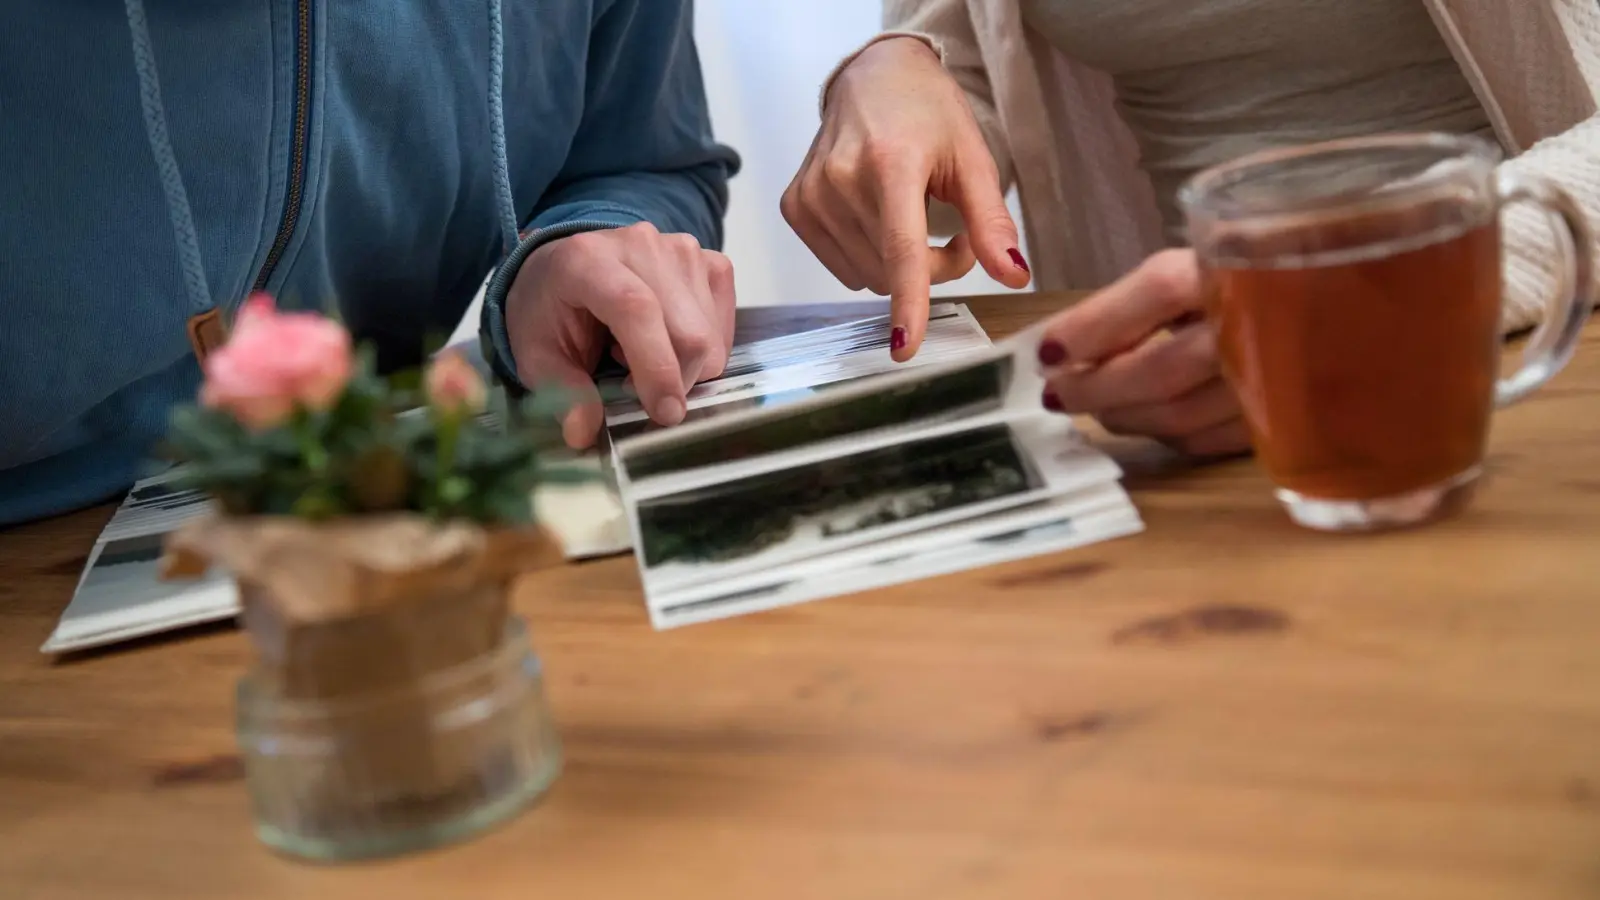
(274, 362)
(293, 421)
(454, 386)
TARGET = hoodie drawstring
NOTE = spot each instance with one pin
(155, 130)
(504, 203)
(181, 216)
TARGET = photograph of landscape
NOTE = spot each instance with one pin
(625, 430)
(819, 501)
(947, 395)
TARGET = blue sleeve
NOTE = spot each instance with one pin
(643, 152)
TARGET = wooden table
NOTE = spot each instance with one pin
(1224, 707)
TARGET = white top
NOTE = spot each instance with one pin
(1200, 82)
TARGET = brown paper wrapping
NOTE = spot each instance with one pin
(357, 615)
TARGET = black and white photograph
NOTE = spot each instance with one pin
(804, 360)
(1029, 533)
(1014, 525)
(850, 496)
(642, 424)
(901, 405)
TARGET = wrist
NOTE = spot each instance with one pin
(897, 48)
(494, 335)
(898, 44)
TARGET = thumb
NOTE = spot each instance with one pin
(989, 225)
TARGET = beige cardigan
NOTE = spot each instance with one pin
(1089, 211)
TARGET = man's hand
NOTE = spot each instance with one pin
(667, 302)
(1139, 357)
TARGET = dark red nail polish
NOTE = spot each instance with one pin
(1051, 401)
(1017, 260)
(1052, 353)
(897, 339)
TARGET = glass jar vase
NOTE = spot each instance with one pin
(402, 768)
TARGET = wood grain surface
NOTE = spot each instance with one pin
(1223, 707)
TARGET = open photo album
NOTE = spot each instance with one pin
(815, 466)
(838, 470)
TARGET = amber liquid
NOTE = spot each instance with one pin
(1366, 369)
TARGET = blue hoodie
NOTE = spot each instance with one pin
(383, 155)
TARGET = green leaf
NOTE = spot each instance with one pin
(455, 489)
(406, 380)
(317, 505)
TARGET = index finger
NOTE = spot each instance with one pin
(1162, 289)
(626, 306)
(903, 246)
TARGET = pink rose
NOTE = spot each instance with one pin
(274, 362)
(453, 385)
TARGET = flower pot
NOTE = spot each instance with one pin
(394, 703)
(414, 765)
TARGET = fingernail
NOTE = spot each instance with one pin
(897, 339)
(670, 411)
(1052, 353)
(1051, 401)
(1017, 260)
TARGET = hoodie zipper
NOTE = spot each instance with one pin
(300, 148)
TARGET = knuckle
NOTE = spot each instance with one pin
(582, 246)
(883, 154)
(1172, 381)
(718, 265)
(812, 196)
(640, 231)
(715, 366)
(635, 300)
(1172, 277)
(695, 348)
(998, 218)
(789, 205)
(686, 246)
(901, 246)
(840, 171)
(697, 344)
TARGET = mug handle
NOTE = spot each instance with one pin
(1553, 344)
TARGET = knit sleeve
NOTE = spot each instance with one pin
(1534, 273)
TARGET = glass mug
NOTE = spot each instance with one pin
(1355, 288)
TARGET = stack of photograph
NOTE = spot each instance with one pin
(810, 471)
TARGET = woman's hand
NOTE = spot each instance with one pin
(897, 130)
(666, 302)
(1139, 357)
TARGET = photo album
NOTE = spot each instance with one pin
(818, 466)
(815, 466)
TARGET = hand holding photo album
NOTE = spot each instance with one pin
(814, 467)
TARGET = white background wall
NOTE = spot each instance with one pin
(764, 61)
